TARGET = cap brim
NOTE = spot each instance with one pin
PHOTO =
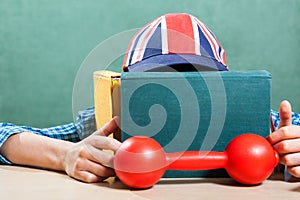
(178, 62)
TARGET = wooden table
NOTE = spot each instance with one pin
(29, 183)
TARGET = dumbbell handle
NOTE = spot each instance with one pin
(196, 160)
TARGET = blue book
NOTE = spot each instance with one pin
(199, 111)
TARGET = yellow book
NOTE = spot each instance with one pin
(106, 97)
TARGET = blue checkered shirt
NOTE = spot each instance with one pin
(84, 126)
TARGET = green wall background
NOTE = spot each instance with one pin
(44, 42)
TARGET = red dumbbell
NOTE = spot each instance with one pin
(140, 161)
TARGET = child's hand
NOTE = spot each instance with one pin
(87, 161)
(286, 140)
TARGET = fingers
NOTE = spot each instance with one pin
(81, 165)
(102, 142)
(286, 140)
(88, 161)
(287, 146)
(294, 170)
(98, 139)
(109, 127)
(284, 133)
(292, 159)
(99, 156)
(86, 177)
(90, 172)
(285, 114)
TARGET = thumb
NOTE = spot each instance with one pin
(109, 127)
(285, 114)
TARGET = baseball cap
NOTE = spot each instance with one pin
(178, 42)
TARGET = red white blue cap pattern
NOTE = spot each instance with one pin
(174, 39)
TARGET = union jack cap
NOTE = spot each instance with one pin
(176, 41)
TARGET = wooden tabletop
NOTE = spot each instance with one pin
(28, 183)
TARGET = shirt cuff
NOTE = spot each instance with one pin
(3, 160)
(85, 122)
(7, 130)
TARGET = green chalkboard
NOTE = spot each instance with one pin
(43, 44)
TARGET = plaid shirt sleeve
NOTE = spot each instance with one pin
(276, 118)
(73, 132)
(85, 122)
